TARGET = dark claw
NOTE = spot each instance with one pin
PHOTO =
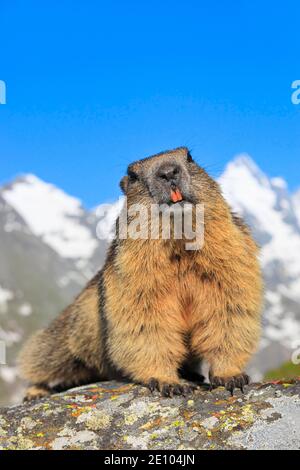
(186, 390)
(240, 385)
(167, 391)
(218, 382)
(153, 385)
(215, 382)
(177, 389)
(189, 389)
(230, 387)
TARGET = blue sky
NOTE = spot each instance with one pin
(93, 85)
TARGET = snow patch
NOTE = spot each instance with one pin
(8, 374)
(71, 276)
(292, 290)
(5, 296)
(10, 337)
(25, 309)
(279, 183)
(287, 332)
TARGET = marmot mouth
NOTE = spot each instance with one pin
(176, 195)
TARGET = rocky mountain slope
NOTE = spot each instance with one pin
(48, 252)
(274, 217)
(50, 246)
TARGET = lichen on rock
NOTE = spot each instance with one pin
(115, 415)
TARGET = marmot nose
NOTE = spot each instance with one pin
(170, 173)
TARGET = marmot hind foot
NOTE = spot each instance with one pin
(36, 392)
(230, 383)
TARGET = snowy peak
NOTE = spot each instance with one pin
(249, 191)
(269, 209)
(244, 168)
(52, 215)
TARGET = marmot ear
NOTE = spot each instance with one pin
(124, 184)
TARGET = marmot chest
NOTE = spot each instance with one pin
(191, 288)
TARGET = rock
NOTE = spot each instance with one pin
(114, 415)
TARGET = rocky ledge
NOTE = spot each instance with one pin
(114, 415)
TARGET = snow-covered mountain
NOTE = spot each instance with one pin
(274, 216)
(49, 250)
(53, 215)
(58, 219)
(51, 245)
(269, 209)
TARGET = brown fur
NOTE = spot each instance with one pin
(154, 304)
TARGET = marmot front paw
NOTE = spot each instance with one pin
(230, 383)
(170, 389)
(36, 392)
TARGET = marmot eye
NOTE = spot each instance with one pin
(189, 157)
(132, 175)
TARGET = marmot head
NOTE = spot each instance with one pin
(170, 177)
